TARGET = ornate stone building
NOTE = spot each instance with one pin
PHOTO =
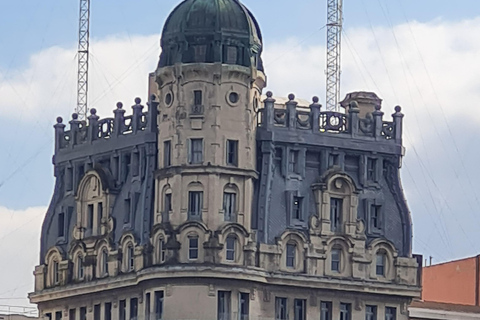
(216, 203)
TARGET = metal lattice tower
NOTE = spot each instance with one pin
(83, 47)
(334, 41)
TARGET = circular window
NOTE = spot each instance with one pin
(168, 99)
(233, 97)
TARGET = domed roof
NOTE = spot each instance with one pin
(208, 31)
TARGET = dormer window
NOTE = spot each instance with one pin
(297, 213)
(336, 205)
(336, 257)
(372, 169)
(80, 267)
(290, 256)
(293, 165)
(380, 264)
(56, 272)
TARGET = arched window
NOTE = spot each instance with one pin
(104, 262)
(230, 248)
(291, 255)
(162, 250)
(90, 205)
(80, 267)
(336, 260)
(380, 265)
(193, 247)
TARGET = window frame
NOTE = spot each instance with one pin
(197, 213)
(80, 268)
(224, 305)
(281, 308)
(299, 309)
(229, 206)
(229, 241)
(380, 269)
(336, 214)
(371, 312)
(297, 208)
(167, 153)
(159, 297)
(195, 156)
(130, 261)
(392, 315)
(345, 311)
(293, 161)
(232, 155)
(336, 265)
(193, 249)
(291, 255)
(243, 306)
(325, 310)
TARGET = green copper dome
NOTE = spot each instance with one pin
(209, 31)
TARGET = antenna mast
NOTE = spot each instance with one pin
(334, 41)
(83, 46)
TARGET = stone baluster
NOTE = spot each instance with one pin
(398, 122)
(119, 120)
(92, 125)
(137, 115)
(315, 114)
(378, 122)
(353, 112)
(152, 114)
(74, 129)
(268, 111)
(59, 134)
(292, 111)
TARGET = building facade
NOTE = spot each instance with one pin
(216, 202)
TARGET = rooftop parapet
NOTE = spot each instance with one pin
(94, 130)
(348, 125)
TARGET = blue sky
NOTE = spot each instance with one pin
(422, 55)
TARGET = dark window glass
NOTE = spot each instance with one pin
(197, 98)
(158, 305)
(133, 308)
(371, 169)
(122, 310)
(297, 208)
(56, 272)
(90, 216)
(232, 152)
(99, 212)
(147, 306)
(80, 268)
(230, 248)
(300, 306)
(196, 151)
(229, 206)
(128, 208)
(200, 53)
(233, 97)
(61, 224)
(375, 217)
(291, 248)
(104, 262)
(370, 312)
(293, 162)
(162, 250)
(72, 314)
(168, 202)
(345, 311)
(195, 203)
(167, 157)
(333, 159)
(83, 313)
(380, 264)
(69, 179)
(390, 313)
(108, 311)
(224, 305)
(336, 260)
(130, 257)
(48, 316)
(193, 248)
(244, 306)
(335, 213)
(325, 310)
(96, 312)
(281, 311)
(58, 315)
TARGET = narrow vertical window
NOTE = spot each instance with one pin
(297, 208)
(195, 203)
(325, 310)
(196, 151)
(104, 261)
(158, 305)
(300, 306)
(61, 224)
(335, 214)
(390, 313)
(167, 205)
(380, 264)
(147, 306)
(69, 179)
(229, 206)
(48, 316)
(193, 248)
(232, 152)
(83, 313)
(345, 311)
(375, 217)
(96, 312)
(291, 250)
(336, 260)
(128, 209)
(58, 315)
(224, 305)
(72, 314)
(100, 211)
(371, 169)
(197, 97)
(130, 258)
(243, 306)
(133, 309)
(90, 218)
(122, 310)
(107, 313)
(56, 273)
(162, 250)
(293, 162)
(230, 248)
(281, 311)
(80, 267)
(370, 312)
(167, 150)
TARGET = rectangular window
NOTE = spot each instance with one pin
(224, 303)
(230, 248)
(99, 212)
(122, 310)
(83, 313)
(281, 310)
(48, 316)
(300, 309)
(370, 312)
(375, 217)
(72, 314)
(380, 264)
(232, 152)
(291, 248)
(61, 224)
(96, 312)
(193, 248)
(128, 208)
(335, 214)
(90, 216)
(158, 305)
(133, 308)
(345, 311)
(197, 97)
(243, 306)
(333, 160)
(58, 315)
(147, 306)
(229, 206)
(371, 169)
(231, 55)
(325, 310)
(195, 203)
(390, 313)
(167, 157)
(196, 151)
(168, 203)
(56, 273)
(336, 256)
(163, 250)
(297, 213)
(293, 162)
(108, 311)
